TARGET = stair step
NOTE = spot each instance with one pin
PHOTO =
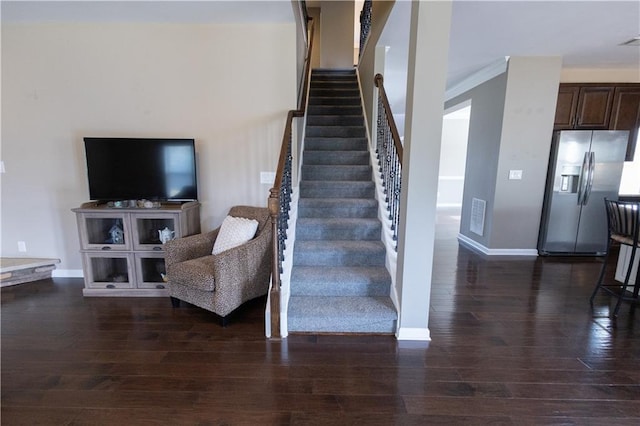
(339, 91)
(318, 76)
(322, 70)
(334, 100)
(337, 158)
(335, 144)
(336, 189)
(336, 131)
(341, 314)
(340, 281)
(335, 120)
(338, 229)
(334, 85)
(333, 72)
(338, 253)
(338, 207)
(333, 172)
(334, 110)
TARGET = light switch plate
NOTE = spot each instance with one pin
(515, 174)
(267, 177)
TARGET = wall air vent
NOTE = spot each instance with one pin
(476, 224)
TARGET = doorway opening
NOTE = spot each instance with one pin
(453, 160)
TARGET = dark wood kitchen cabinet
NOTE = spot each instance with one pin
(625, 114)
(600, 106)
(566, 107)
(594, 107)
(583, 107)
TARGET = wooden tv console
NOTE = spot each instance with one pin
(133, 264)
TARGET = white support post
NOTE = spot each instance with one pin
(428, 56)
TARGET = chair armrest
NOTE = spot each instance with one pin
(191, 247)
(239, 263)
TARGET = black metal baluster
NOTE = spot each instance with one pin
(365, 24)
(389, 159)
(285, 205)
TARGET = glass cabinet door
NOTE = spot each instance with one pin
(153, 231)
(108, 270)
(151, 271)
(105, 231)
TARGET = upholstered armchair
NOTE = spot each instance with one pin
(221, 282)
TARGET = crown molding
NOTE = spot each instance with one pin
(485, 74)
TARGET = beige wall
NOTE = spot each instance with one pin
(314, 12)
(483, 150)
(336, 34)
(601, 75)
(227, 86)
(525, 142)
(510, 129)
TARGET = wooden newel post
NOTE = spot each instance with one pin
(378, 80)
(274, 295)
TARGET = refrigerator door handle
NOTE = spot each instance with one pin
(589, 185)
(582, 179)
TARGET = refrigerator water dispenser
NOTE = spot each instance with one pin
(569, 177)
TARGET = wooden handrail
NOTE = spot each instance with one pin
(286, 137)
(279, 194)
(379, 82)
(302, 102)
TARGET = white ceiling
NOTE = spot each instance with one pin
(586, 34)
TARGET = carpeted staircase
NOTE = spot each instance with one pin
(339, 283)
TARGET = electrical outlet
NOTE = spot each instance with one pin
(22, 247)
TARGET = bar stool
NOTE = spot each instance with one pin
(623, 219)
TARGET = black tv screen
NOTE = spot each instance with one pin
(135, 169)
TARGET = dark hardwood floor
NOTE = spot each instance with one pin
(514, 342)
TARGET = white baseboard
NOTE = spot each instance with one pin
(67, 273)
(407, 333)
(495, 252)
(284, 330)
(267, 313)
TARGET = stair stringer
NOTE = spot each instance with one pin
(391, 260)
(287, 262)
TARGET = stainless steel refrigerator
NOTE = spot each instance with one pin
(584, 168)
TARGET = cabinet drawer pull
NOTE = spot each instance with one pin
(156, 248)
(106, 248)
(160, 286)
(111, 286)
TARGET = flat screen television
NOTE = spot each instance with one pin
(137, 168)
